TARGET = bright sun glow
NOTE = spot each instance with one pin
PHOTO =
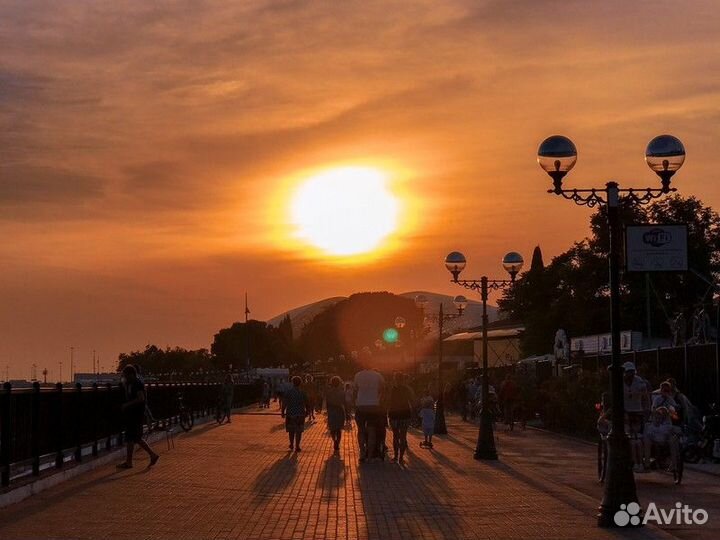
(345, 211)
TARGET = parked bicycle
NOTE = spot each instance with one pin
(185, 415)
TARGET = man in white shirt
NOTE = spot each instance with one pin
(637, 406)
(369, 386)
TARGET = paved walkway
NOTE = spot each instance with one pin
(239, 481)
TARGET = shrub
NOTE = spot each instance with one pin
(567, 404)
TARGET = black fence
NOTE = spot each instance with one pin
(42, 428)
(694, 367)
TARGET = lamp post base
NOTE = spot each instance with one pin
(440, 427)
(619, 482)
(486, 438)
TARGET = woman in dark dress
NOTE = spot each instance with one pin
(400, 409)
(335, 399)
(133, 415)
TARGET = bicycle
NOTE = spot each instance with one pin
(184, 414)
(661, 456)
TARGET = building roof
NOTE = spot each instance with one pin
(500, 333)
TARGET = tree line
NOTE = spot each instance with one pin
(572, 291)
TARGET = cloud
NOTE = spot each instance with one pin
(164, 129)
(22, 184)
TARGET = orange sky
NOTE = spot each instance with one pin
(145, 147)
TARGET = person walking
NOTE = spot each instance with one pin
(294, 410)
(427, 415)
(508, 400)
(311, 394)
(349, 401)
(133, 412)
(227, 391)
(369, 386)
(282, 387)
(335, 399)
(400, 413)
(265, 395)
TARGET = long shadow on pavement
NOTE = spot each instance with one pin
(409, 501)
(43, 501)
(332, 477)
(275, 479)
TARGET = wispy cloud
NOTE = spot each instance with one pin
(151, 133)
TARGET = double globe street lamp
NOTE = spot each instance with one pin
(665, 154)
(513, 262)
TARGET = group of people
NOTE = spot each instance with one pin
(652, 417)
(508, 404)
(375, 405)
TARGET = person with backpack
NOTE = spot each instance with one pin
(294, 409)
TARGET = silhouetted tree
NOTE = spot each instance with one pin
(268, 346)
(537, 265)
(156, 360)
(572, 291)
(357, 322)
(285, 329)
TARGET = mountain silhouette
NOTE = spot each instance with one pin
(471, 318)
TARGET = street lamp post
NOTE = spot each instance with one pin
(399, 325)
(665, 154)
(420, 302)
(460, 303)
(455, 263)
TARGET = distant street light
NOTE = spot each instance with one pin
(664, 155)
(455, 263)
(460, 303)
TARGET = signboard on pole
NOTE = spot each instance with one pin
(656, 248)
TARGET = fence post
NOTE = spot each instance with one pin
(6, 435)
(717, 367)
(120, 418)
(35, 429)
(58, 427)
(77, 422)
(109, 413)
(95, 419)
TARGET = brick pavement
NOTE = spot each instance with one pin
(239, 481)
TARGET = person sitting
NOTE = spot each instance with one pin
(604, 421)
(660, 431)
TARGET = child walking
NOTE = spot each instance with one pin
(427, 415)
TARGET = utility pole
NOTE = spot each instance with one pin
(72, 363)
(247, 337)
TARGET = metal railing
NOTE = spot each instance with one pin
(43, 428)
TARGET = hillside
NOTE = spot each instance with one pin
(471, 318)
(300, 316)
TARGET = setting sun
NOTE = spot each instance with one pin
(345, 211)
